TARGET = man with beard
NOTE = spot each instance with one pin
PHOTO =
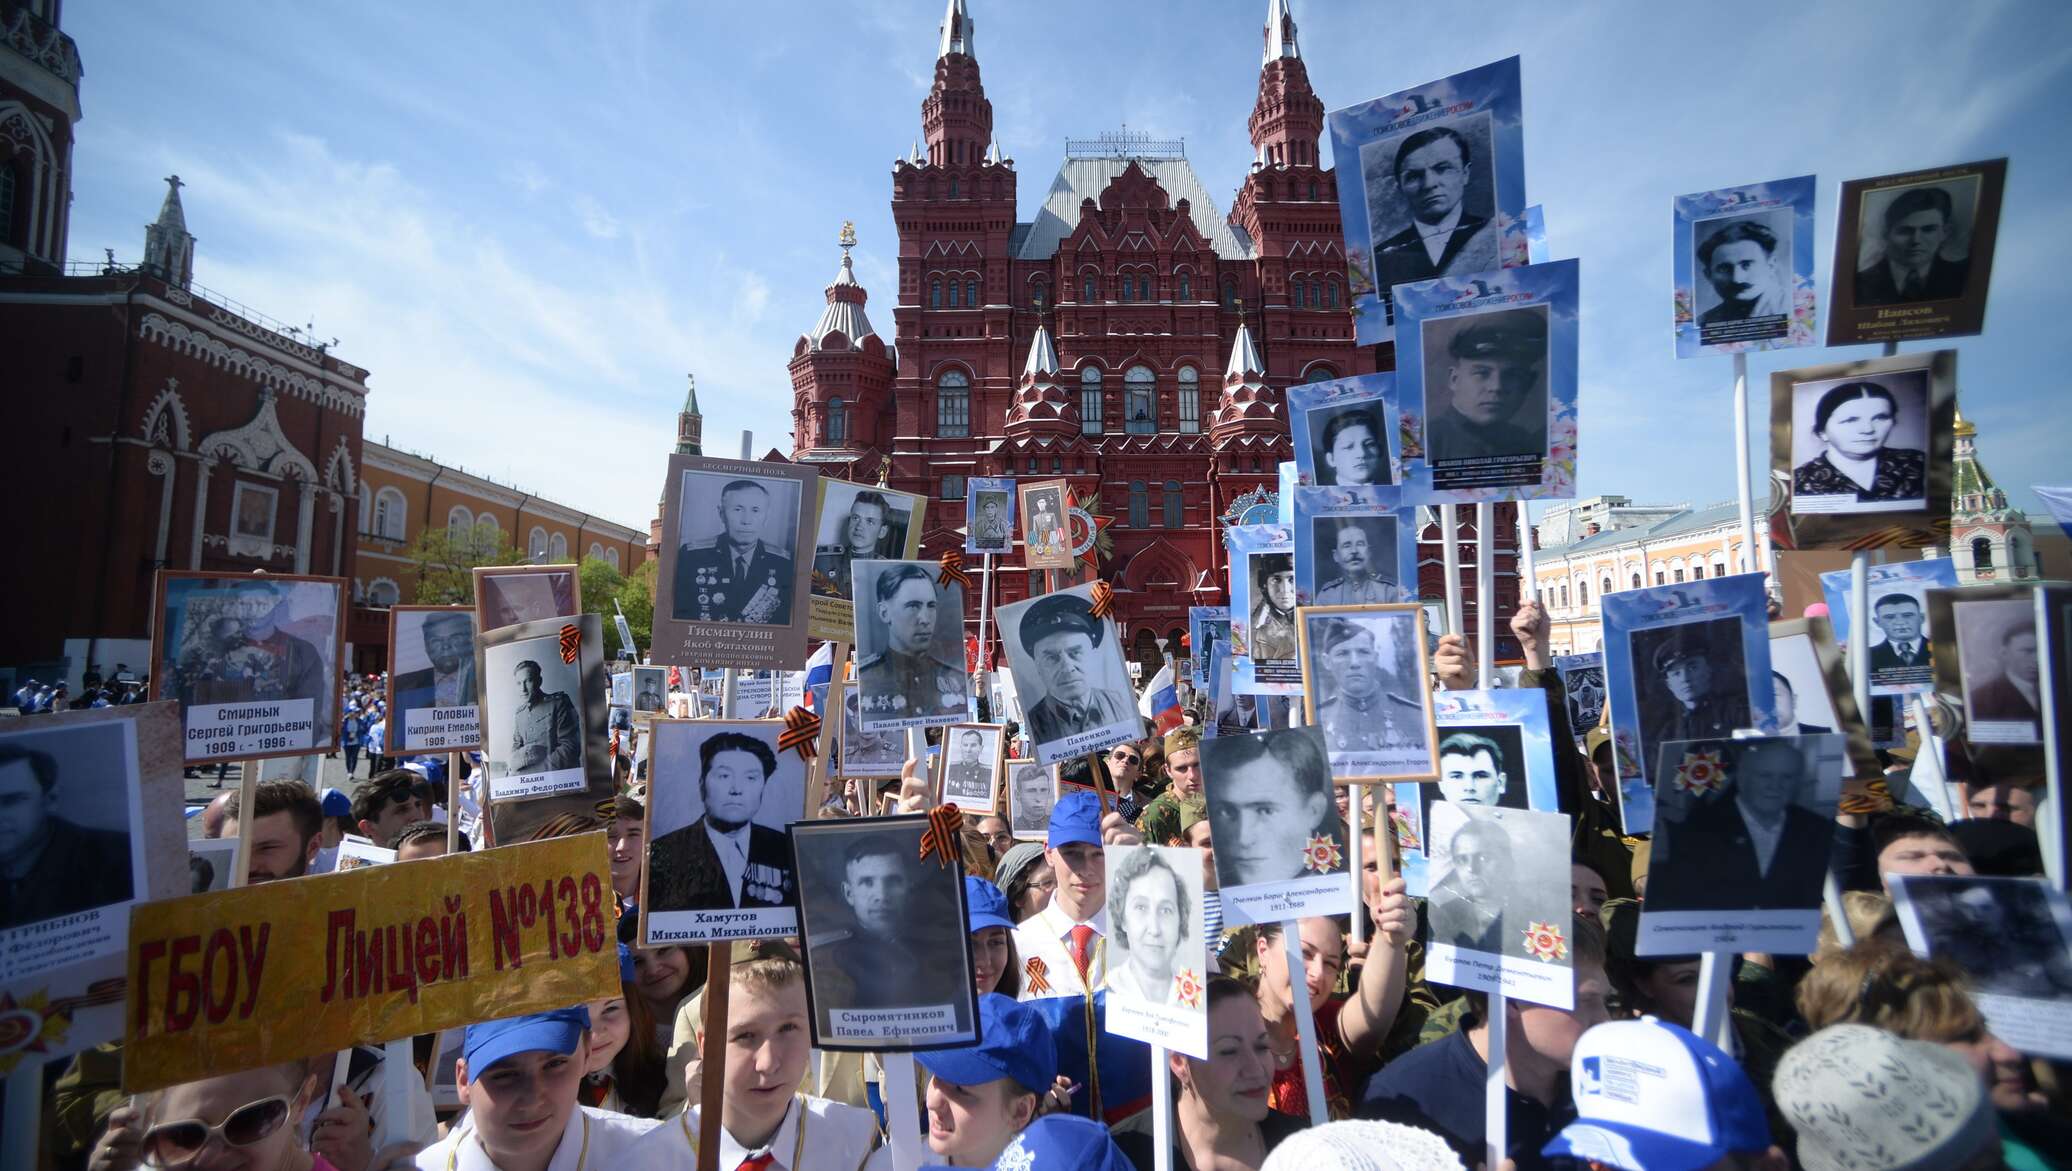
(1432, 170)
(1062, 636)
(545, 734)
(875, 965)
(1740, 262)
(906, 680)
(1273, 619)
(737, 578)
(449, 643)
(1360, 716)
(1495, 363)
(1468, 905)
(1916, 226)
(1694, 710)
(1352, 552)
(285, 829)
(861, 534)
(725, 859)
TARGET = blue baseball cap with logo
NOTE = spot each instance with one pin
(1063, 1140)
(1075, 818)
(487, 1042)
(984, 905)
(1651, 1096)
(1014, 1042)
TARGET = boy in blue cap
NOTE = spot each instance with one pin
(519, 1078)
(1063, 1140)
(981, 1096)
(1067, 937)
(1652, 1096)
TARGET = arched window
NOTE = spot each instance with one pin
(1140, 401)
(1039, 296)
(7, 182)
(536, 545)
(1143, 288)
(596, 552)
(1190, 400)
(388, 514)
(971, 293)
(1981, 553)
(1583, 594)
(1230, 294)
(1320, 373)
(611, 557)
(557, 549)
(837, 421)
(1331, 294)
(1173, 505)
(1312, 190)
(953, 178)
(1089, 401)
(383, 593)
(488, 534)
(935, 294)
(1605, 587)
(1186, 287)
(953, 404)
(954, 291)
(1636, 581)
(1088, 292)
(1564, 594)
(1057, 463)
(459, 523)
(1698, 571)
(1140, 505)
(1719, 567)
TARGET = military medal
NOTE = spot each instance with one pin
(1321, 854)
(1543, 942)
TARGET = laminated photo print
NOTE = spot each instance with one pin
(1741, 841)
(1262, 610)
(1902, 638)
(546, 745)
(1494, 749)
(732, 587)
(1582, 678)
(1207, 628)
(718, 865)
(1498, 904)
(1158, 956)
(988, 515)
(1342, 431)
(1914, 254)
(967, 774)
(432, 691)
(506, 595)
(1280, 845)
(1353, 546)
(1431, 184)
(2013, 936)
(1486, 377)
(1744, 268)
(622, 690)
(1812, 693)
(1986, 654)
(1046, 524)
(650, 690)
(1860, 452)
(253, 660)
(909, 639)
(860, 753)
(1032, 789)
(1687, 661)
(1068, 674)
(1366, 688)
(857, 522)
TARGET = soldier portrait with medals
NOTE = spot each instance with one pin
(1363, 671)
(909, 628)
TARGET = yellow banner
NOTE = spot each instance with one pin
(264, 974)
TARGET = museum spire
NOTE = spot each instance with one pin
(956, 118)
(168, 245)
(1288, 118)
(1280, 32)
(956, 32)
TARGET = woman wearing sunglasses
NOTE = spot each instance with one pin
(239, 1120)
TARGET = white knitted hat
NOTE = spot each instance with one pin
(1359, 1145)
(1863, 1099)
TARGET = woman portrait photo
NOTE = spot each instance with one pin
(1152, 911)
(1860, 445)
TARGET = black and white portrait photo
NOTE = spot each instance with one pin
(650, 689)
(909, 646)
(432, 687)
(2001, 673)
(1799, 698)
(1364, 685)
(1280, 845)
(1356, 560)
(71, 841)
(1032, 790)
(1069, 674)
(1271, 635)
(861, 753)
(1743, 262)
(254, 662)
(1431, 202)
(211, 863)
(858, 522)
(252, 509)
(1860, 444)
(508, 595)
(969, 767)
(1481, 764)
(1499, 905)
(736, 538)
(2012, 937)
(719, 801)
(1689, 682)
(991, 520)
(1157, 956)
(532, 719)
(1911, 242)
(1046, 530)
(1902, 647)
(1485, 397)
(1350, 443)
(888, 957)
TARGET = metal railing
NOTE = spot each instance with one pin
(302, 335)
(1122, 144)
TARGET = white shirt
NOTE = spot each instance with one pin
(1436, 237)
(591, 1140)
(1047, 935)
(836, 1137)
(1763, 837)
(732, 849)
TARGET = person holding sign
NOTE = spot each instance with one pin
(1222, 1113)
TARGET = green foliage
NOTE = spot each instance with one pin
(604, 585)
(445, 562)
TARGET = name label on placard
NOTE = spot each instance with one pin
(251, 728)
(432, 728)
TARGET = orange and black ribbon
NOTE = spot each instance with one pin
(945, 823)
(801, 733)
(953, 569)
(25, 1031)
(1036, 970)
(571, 641)
(1104, 599)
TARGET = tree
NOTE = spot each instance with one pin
(604, 585)
(637, 598)
(445, 561)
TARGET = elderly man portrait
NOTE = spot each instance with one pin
(967, 774)
(725, 858)
(1750, 847)
(1494, 361)
(546, 735)
(50, 865)
(449, 645)
(862, 537)
(909, 679)
(1062, 640)
(1739, 260)
(1354, 671)
(1432, 169)
(1911, 267)
(1354, 554)
(2012, 694)
(738, 578)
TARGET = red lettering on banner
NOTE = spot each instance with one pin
(183, 988)
(255, 963)
(222, 945)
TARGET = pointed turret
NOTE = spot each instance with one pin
(168, 245)
(1041, 407)
(1280, 33)
(1249, 406)
(844, 313)
(841, 371)
(956, 32)
(690, 422)
(956, 117)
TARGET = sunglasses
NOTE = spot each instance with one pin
(175, 1144)
(1125, 757)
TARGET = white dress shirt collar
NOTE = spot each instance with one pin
(1436, 237)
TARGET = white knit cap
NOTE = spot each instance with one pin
(1863, 1099)
(1359, 1145)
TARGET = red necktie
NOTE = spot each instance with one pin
(1082, 939)
(757, 1162)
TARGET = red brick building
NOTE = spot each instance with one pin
(1131, 337)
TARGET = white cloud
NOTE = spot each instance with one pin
(598, 222)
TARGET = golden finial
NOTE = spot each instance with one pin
(848, 238)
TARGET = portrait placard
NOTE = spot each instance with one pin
(1812, 693)
(1914, 254)
(968, 769)
(1499, 909)
(355, 852)
(253, 661)
(1406, 820)
(546, 747)
(211, 864)
(888, 959)
(506, 595)
(1861, 451)
(650, 690)
(1486, 366)
(1902, 637)
(1741, 836)
(1343, 431)
(1353, 546)
(1439, 186)
(718, 865)
(857, 522)
(621, 693)
(1069, 674)
(1158, 960)
(864, 754)
(731, 589)
(1265, 659)
(432, 691)
(1046, 530)
(1207, 628)
(988, 515)
(909, 638)
(1032, 791)
(1744, 268)
(1986, 654)
(2054, 628)
(1280, 845)
(1582, 680)
(1364, 687)
(2010, 936)
(1687, 661)
(1494, 749)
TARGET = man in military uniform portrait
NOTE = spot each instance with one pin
(967, 778)
(240, 652)
(1494, 362)
(875, 963)
(1358, 547)
(910, 679)
(862, 533)
(739, 577)
(725, 858)
(1362, 714)
(989, 528)
(1062, 640)
(1273, 617)
(1684, 700)
(1046, 530)
(546, 735)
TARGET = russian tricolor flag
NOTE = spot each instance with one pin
(820, 671)
(1160, 702)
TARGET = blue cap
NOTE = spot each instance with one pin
(1075, 818)
(487, 1042)
(625, 964)
(1063, 1140)
(1652, 1096)
(337, 804)
(1014, 1042)
(984, 905)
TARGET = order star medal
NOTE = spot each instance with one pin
(1543, 941)
(1321, 854)
(1187, 988)
(1701, 772)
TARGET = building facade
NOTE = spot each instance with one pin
(1618, 546)
(1990, 540)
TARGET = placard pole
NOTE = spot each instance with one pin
(1161, 1111)
(1709, 1021)
(1742, 481)
(247, 794)
(453, 802)
(1831, 897)
(2050, 812)
(1449, 533)
(1496, 1114)
(22, 1138)
(985, 605)
(1305, 1024)
(1859, 628)
(1485, 596)
(712, 1052)
(1353, 816)
(902, 1112)
(1528, 557)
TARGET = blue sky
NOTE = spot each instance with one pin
(530, 220)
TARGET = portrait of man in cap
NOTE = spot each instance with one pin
(1494, 361)
(1075, 679)
(1692, 689)
(1272, 635)
(1370, 707)
(904, 675)
(989, 523)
